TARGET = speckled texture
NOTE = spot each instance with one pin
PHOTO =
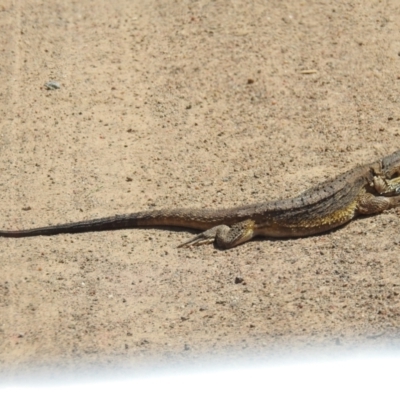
(191, 104)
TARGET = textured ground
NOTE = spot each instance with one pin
(191, 103)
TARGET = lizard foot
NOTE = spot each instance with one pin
(206, 237)
(386, 187)
(225, 237)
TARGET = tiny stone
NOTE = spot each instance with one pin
(52, 85)
(238, 280)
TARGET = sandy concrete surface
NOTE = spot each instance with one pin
(194, 104)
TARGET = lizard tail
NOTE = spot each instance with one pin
(193, 219)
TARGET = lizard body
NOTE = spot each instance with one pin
(366, 189)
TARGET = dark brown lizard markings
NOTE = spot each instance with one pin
(367, 189)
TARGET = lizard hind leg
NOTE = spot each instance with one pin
(370, 204)
(224, 236)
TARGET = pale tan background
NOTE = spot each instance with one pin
(191, 103)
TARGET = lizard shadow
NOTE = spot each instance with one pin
(289, 239)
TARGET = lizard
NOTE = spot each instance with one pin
(366, 189)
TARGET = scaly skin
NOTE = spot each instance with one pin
(366, 189)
